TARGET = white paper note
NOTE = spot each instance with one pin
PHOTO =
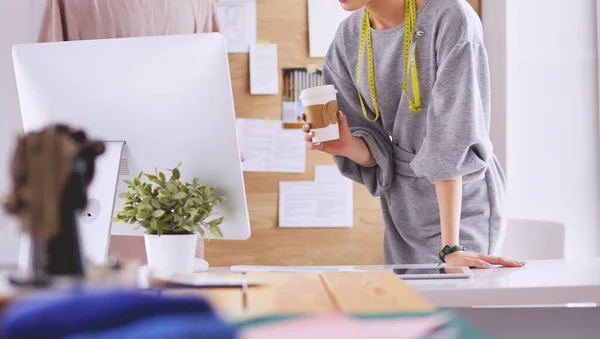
(268, 147)
(237, 22)
(325, 202)
(264, 73)
(324, 18)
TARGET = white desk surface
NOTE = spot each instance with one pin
(544, 282)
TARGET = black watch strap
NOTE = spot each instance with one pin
(450, 249)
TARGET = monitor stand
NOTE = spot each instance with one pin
(95, 219)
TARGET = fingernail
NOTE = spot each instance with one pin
(341, 113)
(305, 126)
(317, 143)
(310, 134)
(486, 265)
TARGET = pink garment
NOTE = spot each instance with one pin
(66, 20)
(339, 326)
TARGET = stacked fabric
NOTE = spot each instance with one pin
(113, 314)
(134, 314)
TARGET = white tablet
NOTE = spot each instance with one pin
(434, 273)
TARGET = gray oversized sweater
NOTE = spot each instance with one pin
(448, 139)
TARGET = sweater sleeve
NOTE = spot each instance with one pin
(376, 178)
(457, 142)
(51, 28)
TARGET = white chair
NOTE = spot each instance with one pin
(534, 240)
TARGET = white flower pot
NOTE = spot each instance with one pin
(171, 253)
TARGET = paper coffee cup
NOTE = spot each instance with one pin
(321, 108)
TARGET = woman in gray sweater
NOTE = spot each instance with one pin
(421, 142)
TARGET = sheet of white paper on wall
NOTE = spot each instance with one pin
(264, 73)
(268, 147)
(325, 202)
(237, 22)
(324, 18)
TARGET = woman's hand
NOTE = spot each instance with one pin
(479, 260)
(333, 147)
(347, 145)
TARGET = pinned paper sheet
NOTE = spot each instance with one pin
(268, 147)
(324, 18)
(325, 202)
(264, 73)
(237, 22)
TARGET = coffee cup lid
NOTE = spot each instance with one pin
(319, 90)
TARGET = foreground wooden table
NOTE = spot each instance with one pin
(302, 293)
(293, 293)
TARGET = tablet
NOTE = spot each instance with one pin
(434, 273)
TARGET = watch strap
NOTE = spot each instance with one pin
(450, 249)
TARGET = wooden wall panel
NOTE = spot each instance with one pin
(285, 22)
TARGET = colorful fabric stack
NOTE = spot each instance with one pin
(113, 314)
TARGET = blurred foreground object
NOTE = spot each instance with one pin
(112, 314)
(51, 171)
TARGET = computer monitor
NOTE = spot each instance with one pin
(165, 98)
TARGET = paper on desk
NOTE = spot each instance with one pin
(324, 18)
(264, 73)
(325, 202)
(268, 147)
(293, 269)
(237, 22)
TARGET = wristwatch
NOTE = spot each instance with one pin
(450, 249)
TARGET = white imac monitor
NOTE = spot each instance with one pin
(155, 101)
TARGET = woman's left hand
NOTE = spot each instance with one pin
(479, 260)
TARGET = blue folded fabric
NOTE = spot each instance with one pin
(80, 312)
(176, 326)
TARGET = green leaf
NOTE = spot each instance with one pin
(123, 195)
(136, 181)
(143, 214)
(216, 222)
(130, 213)
(161, 176)
(197, 182)
(128, 182)
(180, 195)
(221, 200)
(178, 165)
(155, 204)
(176, 175)
(158, 213)
(164, 193)
(172, 187)
(157, 181)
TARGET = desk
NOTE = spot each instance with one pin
(548, 282)
(297, 293)
(545, 282)
(302, 293)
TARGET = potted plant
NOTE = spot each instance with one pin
(174, 214)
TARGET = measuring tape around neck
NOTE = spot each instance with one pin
(410, 36)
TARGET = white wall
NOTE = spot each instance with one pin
(552, 116)
(18, 24)
(494, 25)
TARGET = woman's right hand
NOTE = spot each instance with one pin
(347, 145)
(333, 147)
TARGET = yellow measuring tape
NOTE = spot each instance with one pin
(410, 36)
